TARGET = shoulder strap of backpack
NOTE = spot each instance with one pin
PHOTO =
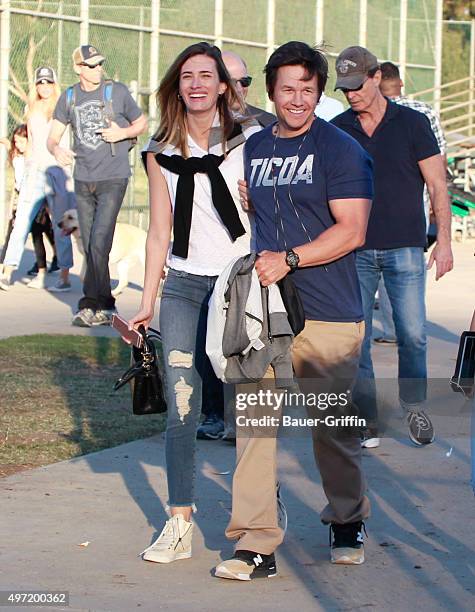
(70, 99)
(107, 99)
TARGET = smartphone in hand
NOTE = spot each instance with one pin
(130, 336)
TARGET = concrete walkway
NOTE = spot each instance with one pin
(421, 537)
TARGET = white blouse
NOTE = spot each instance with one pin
(210, 245)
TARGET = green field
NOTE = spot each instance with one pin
(57, 401)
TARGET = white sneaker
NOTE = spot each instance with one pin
(39, 282)
(369, 438)
(370, 443)
(6, 273)
(173, 543)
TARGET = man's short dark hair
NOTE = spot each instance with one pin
(297, 53)
(389, 71)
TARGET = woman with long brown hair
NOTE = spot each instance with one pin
(193, 163)
(17, 147)
(43, 178)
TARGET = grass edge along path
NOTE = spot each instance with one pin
(57, 402)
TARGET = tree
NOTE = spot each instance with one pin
(459, 9)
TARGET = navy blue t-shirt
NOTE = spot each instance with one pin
(330, 165)
(402, 139)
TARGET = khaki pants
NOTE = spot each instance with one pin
(322, 350)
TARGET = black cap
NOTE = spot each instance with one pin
(43, 73)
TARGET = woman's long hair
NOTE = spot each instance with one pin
(172, 129)
(20, 130)
(34, 98)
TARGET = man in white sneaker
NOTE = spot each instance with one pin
(104, 119)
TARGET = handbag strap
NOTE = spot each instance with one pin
(148, 357)
(127, 376)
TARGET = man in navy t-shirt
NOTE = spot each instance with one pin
(405, 155)
(311, 187)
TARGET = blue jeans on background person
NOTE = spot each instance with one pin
(36, 186)
(385, 308)
(404, 272)
(213, 394)
(183, 321)
(98, 206)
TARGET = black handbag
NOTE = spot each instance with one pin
(463, 379)
(144, 376)
(293, 304)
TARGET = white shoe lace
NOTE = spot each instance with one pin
(421, 421)
(168, 539)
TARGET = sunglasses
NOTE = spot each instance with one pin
(244, 82)
(346, 90)
(92, 67)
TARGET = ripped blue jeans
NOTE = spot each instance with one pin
(183, 319)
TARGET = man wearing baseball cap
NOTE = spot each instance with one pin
(104, 119)
(405, 156)
(88, 55)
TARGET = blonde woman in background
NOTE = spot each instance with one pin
(43, 178)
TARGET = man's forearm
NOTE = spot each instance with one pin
(135, 129)
(443, 215)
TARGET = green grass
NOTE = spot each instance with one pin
(57, 402)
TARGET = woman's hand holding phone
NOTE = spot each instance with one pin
(129, 334)
(143, 317)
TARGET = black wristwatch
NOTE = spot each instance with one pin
(292, 260)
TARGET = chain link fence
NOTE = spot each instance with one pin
(47, 32)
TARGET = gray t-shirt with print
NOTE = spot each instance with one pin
(87, 114)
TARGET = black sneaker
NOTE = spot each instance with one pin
(347, 547)
(53, 267)
(247, 565)
(33, 271)
(421, 430)
(212, 428)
